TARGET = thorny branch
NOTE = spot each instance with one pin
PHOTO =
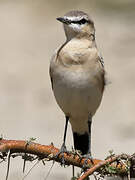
(101, 164)
(113, 165)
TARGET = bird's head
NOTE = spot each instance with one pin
(77, 22)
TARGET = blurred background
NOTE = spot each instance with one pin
(29, 34)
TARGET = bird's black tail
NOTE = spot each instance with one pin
(82, 142)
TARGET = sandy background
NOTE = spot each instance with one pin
(29, 34)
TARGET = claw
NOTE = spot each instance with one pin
(87, 157)
(63, 150)
(85, 165)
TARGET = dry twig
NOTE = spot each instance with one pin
(99, 165)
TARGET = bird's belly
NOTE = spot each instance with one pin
(76, 93)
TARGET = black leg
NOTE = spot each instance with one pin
(89, 131)
(88, 155)
(65, 131)
(63, 147)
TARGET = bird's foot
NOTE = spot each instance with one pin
(63, 150)
(87, 157)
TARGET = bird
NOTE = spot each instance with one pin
(78, 78)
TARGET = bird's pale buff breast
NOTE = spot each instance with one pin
(76, 92)
(75, 85)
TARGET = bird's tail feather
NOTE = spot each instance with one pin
(81, 142)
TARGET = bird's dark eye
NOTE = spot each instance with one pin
(82, 21)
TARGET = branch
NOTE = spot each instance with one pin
(70, 158)
(101, 164)
(43, 151)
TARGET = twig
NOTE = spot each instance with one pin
(98, 166)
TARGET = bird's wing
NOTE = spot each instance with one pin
(50, 69)
(101, 60)
(51, 78)
(53, 59)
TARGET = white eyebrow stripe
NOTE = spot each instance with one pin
(73, 18)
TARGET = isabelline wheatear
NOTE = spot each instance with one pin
(77, 76)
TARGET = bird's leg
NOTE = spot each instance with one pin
(88, 155)
(89, 132)
(63, 148)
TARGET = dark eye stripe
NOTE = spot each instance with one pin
(82, 21)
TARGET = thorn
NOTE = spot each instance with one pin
(1, 136)
(24, 163)
(52, 144)
(28, 142)
(30, 170)
(43, 162)
(9, 156)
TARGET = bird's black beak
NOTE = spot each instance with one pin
(63, 20)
